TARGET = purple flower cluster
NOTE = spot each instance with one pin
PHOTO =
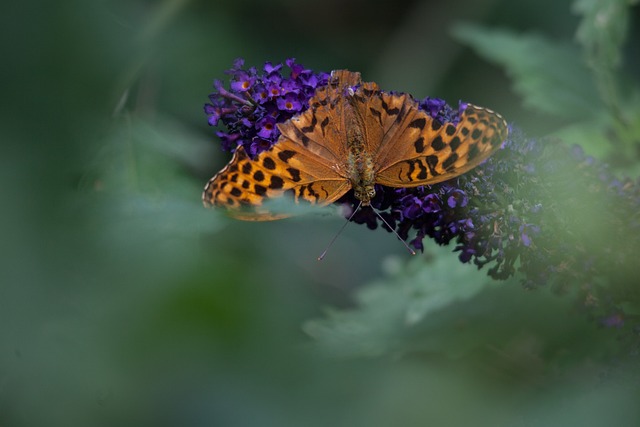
(476, 210)
(535, 207)
(258, 101)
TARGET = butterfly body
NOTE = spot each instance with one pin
(360, 163)
(354, 136)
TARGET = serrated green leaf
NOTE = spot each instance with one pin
(389, 307)
(439, 306)
(550, 76)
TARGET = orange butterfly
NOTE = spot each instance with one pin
(353, 136)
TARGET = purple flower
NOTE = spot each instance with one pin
(271, 69)
(296, 69)
(274, 90)
(289, 103)
(267, 127)
(260, 94)
(441, 111)
(457, 198)
(258, 145)
(242, 81)
(256, 102)
(229, 141)
(214, 112)
(290, 86)
(526, 231)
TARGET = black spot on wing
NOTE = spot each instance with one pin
(450, 129)
(276, 183)
(324, 124)
(285, 155)
(423, 171)
(301, 136)
(301, 191)
(258, 175)
(455, 143)
(419, 145)
(450, 161)
(295, 174)
(312, 125)
(368, 92)
(474, 151)
(389, 111)
(419, 123)
(312, 192)
(268, 163)
(437, 143)
(432, 162)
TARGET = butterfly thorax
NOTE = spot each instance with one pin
(359, 161)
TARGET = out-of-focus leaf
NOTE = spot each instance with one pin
(603, 29)
(602, 32)
(410, 292)
(590, 136)
(550, 76)
(445, 308)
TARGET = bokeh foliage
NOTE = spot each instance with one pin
(124, 302)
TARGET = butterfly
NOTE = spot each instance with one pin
(352, 137)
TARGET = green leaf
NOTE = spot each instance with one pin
(389, 307)
(591, 136)
(442, 307)
(603, 30)
(550, 76)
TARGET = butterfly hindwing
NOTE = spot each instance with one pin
(244, 184)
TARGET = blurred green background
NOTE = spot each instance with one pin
(124, 302)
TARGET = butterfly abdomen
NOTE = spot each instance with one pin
(360, 165)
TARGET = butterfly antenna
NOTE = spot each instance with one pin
(411, 251)
(339, 231)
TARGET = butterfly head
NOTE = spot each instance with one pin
(364, 193)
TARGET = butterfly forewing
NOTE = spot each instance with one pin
(385, 116)
(427, 151)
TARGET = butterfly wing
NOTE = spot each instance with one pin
(425, 151)
(245, 184)
(321, 129)
(307, 162)
(384, 115)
